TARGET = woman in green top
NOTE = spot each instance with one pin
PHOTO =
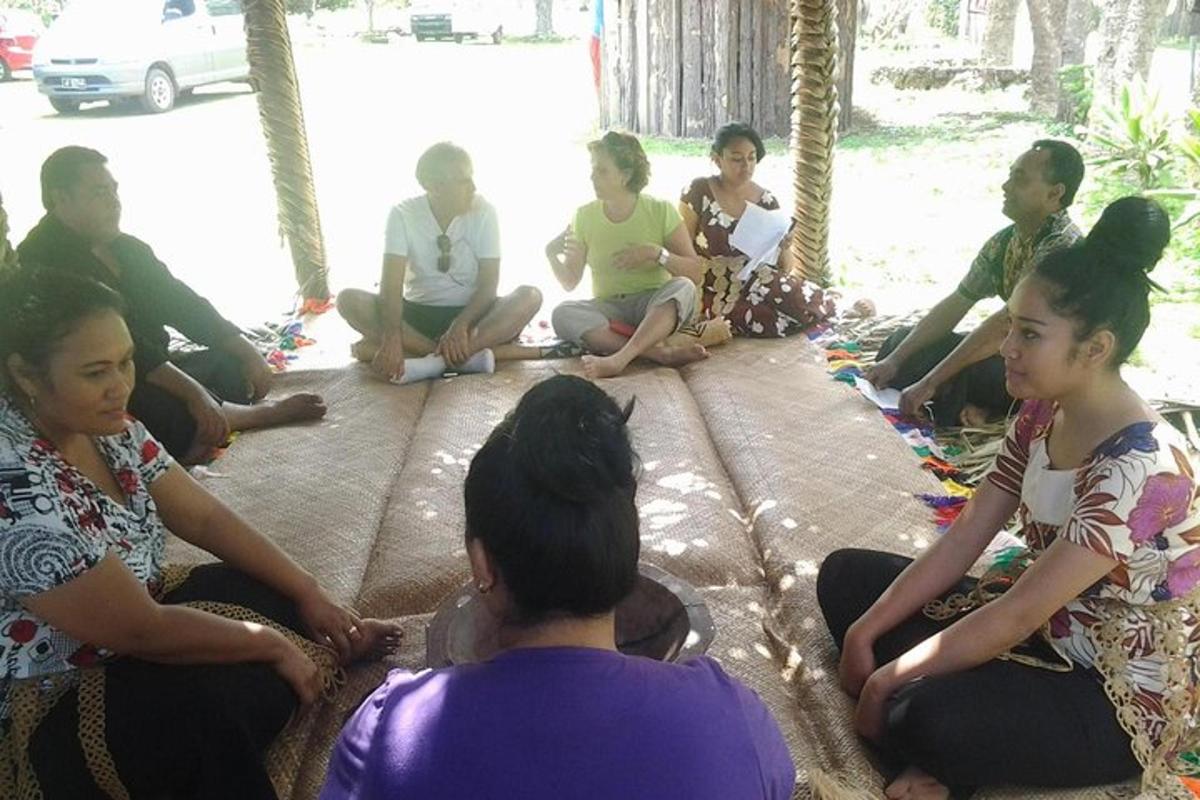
(644, 268)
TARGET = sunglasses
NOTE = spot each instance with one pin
(443, 245)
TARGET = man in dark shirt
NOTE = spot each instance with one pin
(189, 402)
(8, 255)
(962, 377)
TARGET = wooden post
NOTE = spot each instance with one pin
(273, 73)
(814, 132)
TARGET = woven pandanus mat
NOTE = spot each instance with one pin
(756, 466)
(319, 489)
(817, 469)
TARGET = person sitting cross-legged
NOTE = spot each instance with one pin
(558, 711)
(441, 270)
(122, 675)
(1073, 660)
(961, 378)
(190, 402)
(644, 268)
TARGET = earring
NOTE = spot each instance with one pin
(482, 588)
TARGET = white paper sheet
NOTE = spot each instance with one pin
(758, 234)
(884, 398)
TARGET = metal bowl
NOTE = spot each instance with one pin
(664, 618)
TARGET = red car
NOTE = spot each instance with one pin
(19, 31)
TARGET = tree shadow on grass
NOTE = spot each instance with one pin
(951, 127)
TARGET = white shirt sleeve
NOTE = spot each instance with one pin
(489, 234)
(396, 239)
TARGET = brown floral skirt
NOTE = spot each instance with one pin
(769, 304)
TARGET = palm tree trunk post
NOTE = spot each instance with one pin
(814, 131)
(273, 73)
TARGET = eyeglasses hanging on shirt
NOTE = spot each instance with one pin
(444, 262)
(443, 245)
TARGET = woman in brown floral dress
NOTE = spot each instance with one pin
(772, 302)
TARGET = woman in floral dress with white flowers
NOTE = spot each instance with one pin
(1072, 661)
(772, 303)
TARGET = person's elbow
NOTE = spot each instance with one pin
(568, 282)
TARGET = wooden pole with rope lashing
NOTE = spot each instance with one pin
(814, 132)
(273, 74)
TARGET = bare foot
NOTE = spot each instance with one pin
(715, 331)
(378, 639)
(297, 408)
(972, 416)
(364, 350)
(597, 367)
(677, 356)
(915, 784)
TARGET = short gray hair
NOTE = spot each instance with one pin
(435, 162)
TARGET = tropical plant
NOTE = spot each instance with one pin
(1187, 146)
(1133, 136)
(1075, 95)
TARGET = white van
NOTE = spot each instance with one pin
(147, 51)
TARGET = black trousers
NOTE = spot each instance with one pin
(184, 732)
(981, 384)
(999, 723)
(167, 417)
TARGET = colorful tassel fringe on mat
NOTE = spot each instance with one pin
(845, 364)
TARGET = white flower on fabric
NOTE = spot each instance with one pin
(756, 327)
(1148, 568)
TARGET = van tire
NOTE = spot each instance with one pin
(160, 91)
(5, 72)
(498, 35)
(63, 106)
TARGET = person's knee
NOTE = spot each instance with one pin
(834, 573)
(892, 342)
(684, 290)
(530, 298)
(558, 320)
(569, 321)
(357, 307)
(925, 726)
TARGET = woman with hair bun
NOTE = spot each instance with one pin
(1073, 661)
(552, 538)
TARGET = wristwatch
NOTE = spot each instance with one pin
(663, 255)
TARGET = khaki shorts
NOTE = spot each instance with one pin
(576, 317)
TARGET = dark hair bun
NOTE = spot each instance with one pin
(569, 439)
(551, 495)
(1130, 236)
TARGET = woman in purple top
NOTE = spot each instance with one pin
(552, 536)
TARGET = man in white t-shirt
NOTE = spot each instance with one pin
(441, 267)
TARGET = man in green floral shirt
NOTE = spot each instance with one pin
(959, 378)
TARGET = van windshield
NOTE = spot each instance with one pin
(110, 13)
